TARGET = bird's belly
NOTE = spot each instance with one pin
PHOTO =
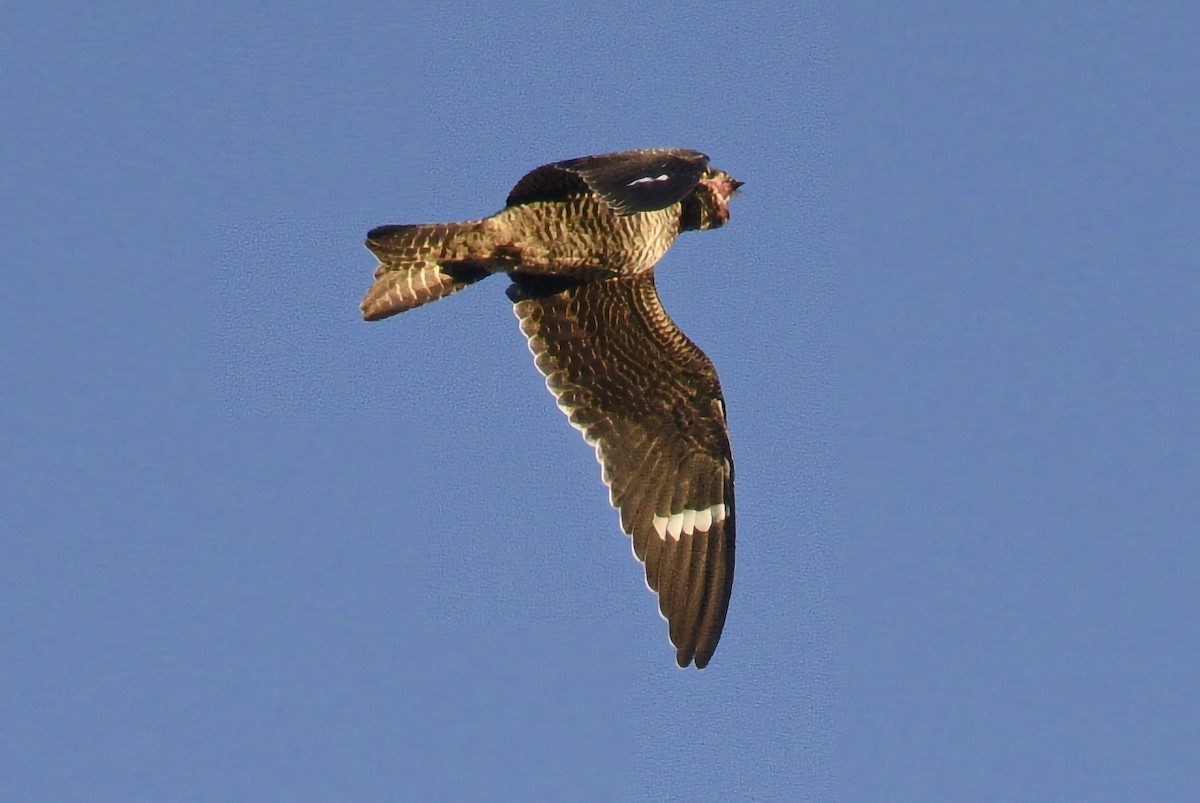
(563, 239)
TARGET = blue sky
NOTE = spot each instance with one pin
(254, 548)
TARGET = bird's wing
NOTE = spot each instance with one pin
(650, 403)
(628, 181)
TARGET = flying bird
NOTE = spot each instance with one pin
(580, 239)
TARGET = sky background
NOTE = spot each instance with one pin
(254, 548)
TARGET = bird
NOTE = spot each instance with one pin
(579, 239)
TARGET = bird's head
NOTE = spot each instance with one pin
(707, 206)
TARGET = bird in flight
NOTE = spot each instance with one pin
(580, 239)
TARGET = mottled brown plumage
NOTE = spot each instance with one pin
(580, 240)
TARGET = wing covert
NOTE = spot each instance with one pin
(628, 181)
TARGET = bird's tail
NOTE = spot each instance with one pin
(419, 264)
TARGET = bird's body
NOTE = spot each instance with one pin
(580, 240)
(584, 234)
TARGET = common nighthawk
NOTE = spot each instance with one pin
(580, 240)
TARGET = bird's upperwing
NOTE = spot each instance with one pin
(649, 401)
(628, 181)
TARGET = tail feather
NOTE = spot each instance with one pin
(419, 264)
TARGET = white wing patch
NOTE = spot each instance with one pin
(688, 521)
(675, 525)
(648, 179)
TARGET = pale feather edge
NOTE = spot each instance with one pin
(594, 443)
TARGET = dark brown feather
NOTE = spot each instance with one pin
(647, 397)
(628, 181)
(580, 238)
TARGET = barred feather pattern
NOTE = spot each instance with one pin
(580, 239)
(650, 403)
(583, 236)
(422, 263)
